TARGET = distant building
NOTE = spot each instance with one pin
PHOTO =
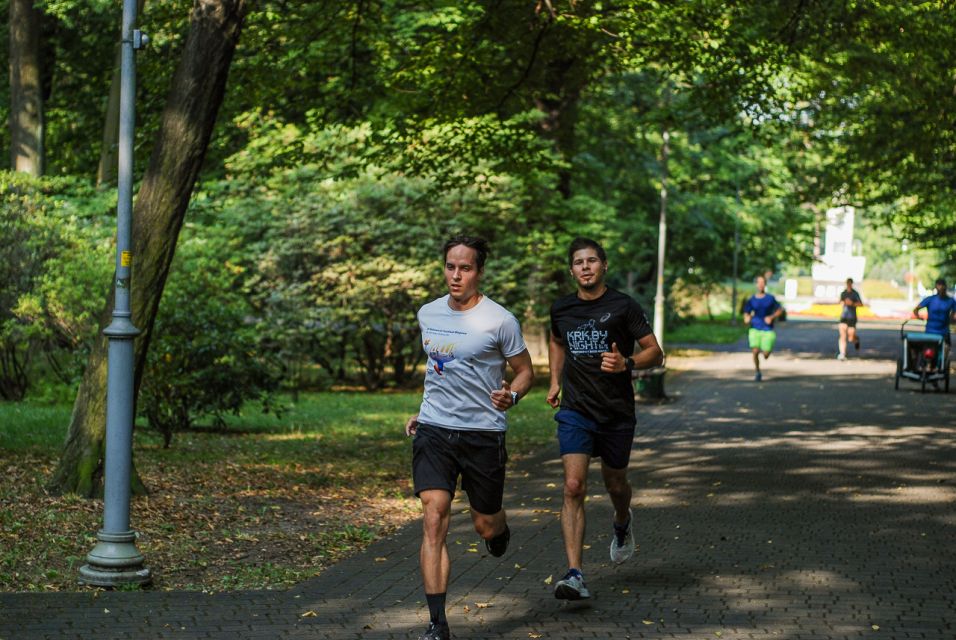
(837, 262)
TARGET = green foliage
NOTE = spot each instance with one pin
(52, 281)
(59, 251)
(29, 244)
(203, 361)
(870, 84)
(340, 252)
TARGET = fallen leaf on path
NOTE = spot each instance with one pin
(532, 634)
(309, 614)
(645, 621)
(875, 627)
(548, 579)
(381, 559)
(484, 605)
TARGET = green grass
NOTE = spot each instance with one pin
(346, 425)
(33, 425)
(718, 331)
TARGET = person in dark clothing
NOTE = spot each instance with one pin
(594, 332)
(850, 300)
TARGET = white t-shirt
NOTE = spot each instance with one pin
(467, 353)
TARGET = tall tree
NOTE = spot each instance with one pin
(185, 129)
(26, 97)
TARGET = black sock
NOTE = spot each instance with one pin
(436, 607)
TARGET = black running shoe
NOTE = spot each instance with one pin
(499, 544)
(436, 631)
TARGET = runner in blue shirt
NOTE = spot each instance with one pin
(760, 312)
(940, 311)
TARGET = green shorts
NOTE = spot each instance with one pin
(763, 340)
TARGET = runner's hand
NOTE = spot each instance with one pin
(501, 398)
(769, 320)
(612, 361)
(411, 425)
(554, 396)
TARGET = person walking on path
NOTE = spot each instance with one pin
(850, 300)
(591, 355)
(459, 430)
(760, 312)
(940, 312)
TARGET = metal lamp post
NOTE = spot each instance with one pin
(661, 244)
(115, 560)
(733, 298)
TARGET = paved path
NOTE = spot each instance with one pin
(816, 504)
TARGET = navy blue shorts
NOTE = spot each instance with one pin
(440, 456)
(609, 441)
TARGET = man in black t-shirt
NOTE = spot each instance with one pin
(591, 356)
(849, 301)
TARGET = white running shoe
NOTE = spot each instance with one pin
(622, 541)
(571, 587)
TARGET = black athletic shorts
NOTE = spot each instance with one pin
(440, 456)
(850, 322)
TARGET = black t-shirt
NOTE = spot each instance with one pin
(586, 329)
(849, 312)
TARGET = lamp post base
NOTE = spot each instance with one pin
(115, 562)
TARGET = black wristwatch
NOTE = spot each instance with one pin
(629, 363)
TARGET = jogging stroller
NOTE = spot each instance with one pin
(922, 359)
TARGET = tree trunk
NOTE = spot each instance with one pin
(109, 153)
(26, 98)
(185, 129)
(564, 81)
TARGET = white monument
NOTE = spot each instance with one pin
(837, 262)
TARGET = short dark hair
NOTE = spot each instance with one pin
(585, 243)
(480, 245)
(849, 280)
(941, 281)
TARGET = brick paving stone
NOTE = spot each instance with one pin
(816, 504)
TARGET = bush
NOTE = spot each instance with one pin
(202, 360)
(54, 268)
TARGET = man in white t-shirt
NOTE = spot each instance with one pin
(460, 428)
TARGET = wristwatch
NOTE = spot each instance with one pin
(629, 363)
(514, 398)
